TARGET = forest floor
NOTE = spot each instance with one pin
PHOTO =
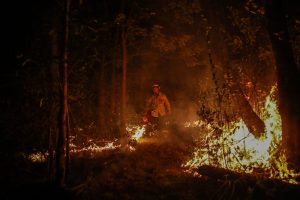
(152, 170)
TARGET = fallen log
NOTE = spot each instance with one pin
(221, 173)
(226, 174)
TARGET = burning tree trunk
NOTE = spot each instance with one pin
(223, 52)
(288, 79)
(255, 125)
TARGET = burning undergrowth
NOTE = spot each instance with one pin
(237, 149)
(91, 147)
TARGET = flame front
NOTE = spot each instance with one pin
(93, 148)
(237, 149)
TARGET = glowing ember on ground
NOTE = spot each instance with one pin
(238, 150)
(95, 148)
(37, 157)
(197, 123)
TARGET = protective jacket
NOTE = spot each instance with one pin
(158, 105)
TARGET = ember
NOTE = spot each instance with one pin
(93, 148)
(37, 157)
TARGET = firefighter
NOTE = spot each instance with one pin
(158, 108)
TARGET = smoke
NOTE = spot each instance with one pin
(179, 82)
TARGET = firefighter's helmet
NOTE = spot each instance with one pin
(155, 85)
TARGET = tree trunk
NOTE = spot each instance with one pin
(54, 98)
(102, 93)
(288, 79)
(113, 74)
(124, 76)
(255, 125)
(219, 50)
(54, 95)
(60, 176)
(113, 90)
(68, 133)
(113, 106)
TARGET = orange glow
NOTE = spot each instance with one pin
(238, 150)
(136, 132)
(94, 148)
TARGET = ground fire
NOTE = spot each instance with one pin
(142, 99)
(237, 149)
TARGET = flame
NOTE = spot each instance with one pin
(193, 124)
(139, 133)
(93, 148)
(237, 149)
(136, 131)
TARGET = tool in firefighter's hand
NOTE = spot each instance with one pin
(146, 117)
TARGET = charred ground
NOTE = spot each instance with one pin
(152, 171)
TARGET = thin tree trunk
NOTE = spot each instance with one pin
(68, 145)
(54, 95)
(113, 91)
(102, 108)
(51, 154)
(113, 105)
(113, 75)
(60, 177)
(288, 80)
(124, 76)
